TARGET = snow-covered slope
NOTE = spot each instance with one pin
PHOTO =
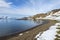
(49, 34)
(55, 16)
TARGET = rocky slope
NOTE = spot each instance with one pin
(52, 12)
(43, 15)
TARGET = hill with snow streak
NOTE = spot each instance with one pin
(53, 14)
(53, 33)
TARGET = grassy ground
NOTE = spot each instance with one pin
(58, 33)
(30, 34)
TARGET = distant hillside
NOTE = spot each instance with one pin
(46, 14)
(53, 11)
(42, 15)
(39, 15)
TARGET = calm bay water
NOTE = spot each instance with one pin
(9, 26)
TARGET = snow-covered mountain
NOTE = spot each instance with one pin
(55, 15)
(52, 32)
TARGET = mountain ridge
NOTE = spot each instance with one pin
(46, 14)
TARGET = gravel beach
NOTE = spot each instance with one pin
(30, 34)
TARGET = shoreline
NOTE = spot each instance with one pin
(12, 34)
(30, 34)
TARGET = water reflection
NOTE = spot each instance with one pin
(38, 21)
(8, 26)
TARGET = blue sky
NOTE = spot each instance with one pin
(27, 7)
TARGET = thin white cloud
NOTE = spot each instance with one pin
(37, 6)
(4, 4)
(42, 6)
(6, 8)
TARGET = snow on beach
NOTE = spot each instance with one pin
(49, 34)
